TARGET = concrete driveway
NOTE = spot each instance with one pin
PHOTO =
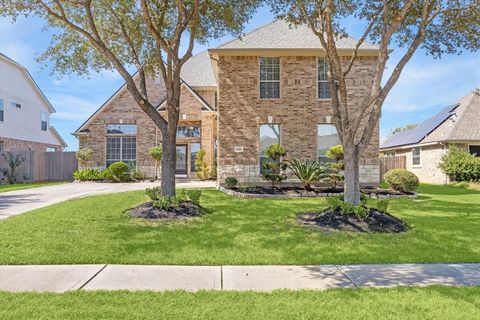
(17, 202)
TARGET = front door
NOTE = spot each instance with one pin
(181, 167)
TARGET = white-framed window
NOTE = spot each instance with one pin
(50, 149)
(269, 77)
(44, 121)
(322, 87)
(390, 154)
(2, 111)
(416, 158)
(15, 104)
(269, 134)
(327, 137)
(121, 144)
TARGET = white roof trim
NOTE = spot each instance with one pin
(59, 137)
(31, 80)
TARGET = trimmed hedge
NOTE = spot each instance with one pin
(401, 180)
(118, 172)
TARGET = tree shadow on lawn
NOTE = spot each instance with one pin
(259, 231)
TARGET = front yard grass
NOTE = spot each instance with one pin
(400, 303)
(28, 185)
(444, 221)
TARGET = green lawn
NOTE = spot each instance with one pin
(401, 303)
(20, 186)
(445, 227)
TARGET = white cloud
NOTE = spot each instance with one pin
(71, 108)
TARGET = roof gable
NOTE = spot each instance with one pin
(32, 82)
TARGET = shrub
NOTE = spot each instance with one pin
(231, 182)
(118, 172)
(345, 208)
(154, 193)
(382, 205)
(401, 180)
(307, 172)
(460, 184)
(194, 196)
(84, 155)
(273, 170)
(88, 175)
(201, 166)
(14, 161)
(137, 174)
(156, 153)
(163, 203)
(460, 165)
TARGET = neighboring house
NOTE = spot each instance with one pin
(424, 145)
(24, 112)
(266, 87)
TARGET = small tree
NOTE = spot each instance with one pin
(307, 172)
(201, 166)
(156, 154)
(14, 161)
(84, 155)
(335, 153)
(274, 169)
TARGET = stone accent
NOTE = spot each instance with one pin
(18, 145)
(298, 111)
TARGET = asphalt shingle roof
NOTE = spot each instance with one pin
(281, 35)
(198, 71)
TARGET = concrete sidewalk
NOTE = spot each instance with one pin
(61, 278)
(21, 201)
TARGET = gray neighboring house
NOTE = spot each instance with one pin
(423, 146)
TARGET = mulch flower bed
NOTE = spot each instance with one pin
(184, 211)
(374, 222)
(297, 191)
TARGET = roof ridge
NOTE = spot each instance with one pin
(251, 31)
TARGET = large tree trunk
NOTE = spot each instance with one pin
(352, 175)
(168, 165)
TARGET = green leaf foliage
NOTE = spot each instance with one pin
(401, 180)
(307, 172)
(460, 165)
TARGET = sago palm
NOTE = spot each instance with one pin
(307, 172)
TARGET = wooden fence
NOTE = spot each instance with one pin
(392, 162)
(42, 166)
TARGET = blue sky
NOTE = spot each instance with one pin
(425, 86)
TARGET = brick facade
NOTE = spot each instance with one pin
(8, 144)
(298, 111)
(123, 109)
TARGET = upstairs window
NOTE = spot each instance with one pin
(327, 138)
(16, 105)
(44, 121)
(2, 116)
(416, 156)
(269, 134)
(269, 77)
(188, 131)
(323, 89)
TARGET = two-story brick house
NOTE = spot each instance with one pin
(266, 87)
